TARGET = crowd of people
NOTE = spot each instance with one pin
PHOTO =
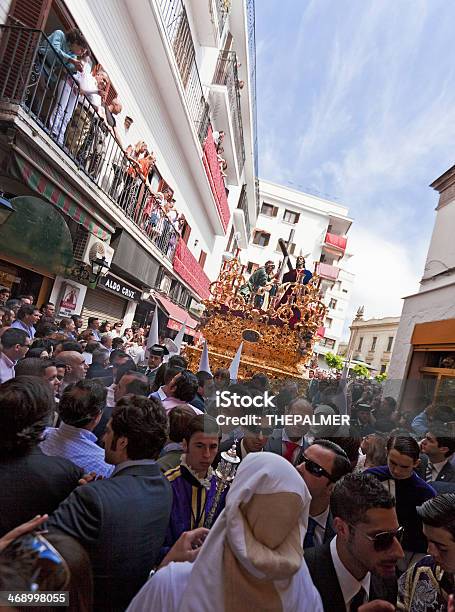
(109, 467)
(74, 105)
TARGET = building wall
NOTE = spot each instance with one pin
(382, 330)
(4, 9)
(432, 305)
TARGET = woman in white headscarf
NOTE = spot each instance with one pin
(252, 557)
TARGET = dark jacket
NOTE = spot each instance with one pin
(198, 402)
(122, 523)
(33, 484)
(447, 474)
(275, 445)
(409, 493)
(104, 374)
(322, 570)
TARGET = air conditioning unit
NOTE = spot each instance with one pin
(165, 284)
(96, 248)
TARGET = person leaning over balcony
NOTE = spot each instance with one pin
(65, 48)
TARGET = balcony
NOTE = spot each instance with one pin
(190, 270)
(327, 271)
(37, 93)
(212, 169)
(227, 114)
(175, 21)
(209, 19)
(336, 243)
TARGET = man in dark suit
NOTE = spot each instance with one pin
(322, 465)
(252, 440)
(122, 521)
(437, 448)
(31, 483)
(359, 564)
(157, 352)
(290, 441)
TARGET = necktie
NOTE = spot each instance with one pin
(429, 472)
(289, 448)
(357, 600)
(308, 542)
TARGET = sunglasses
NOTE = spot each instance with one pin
(315, 469)
(383, 540)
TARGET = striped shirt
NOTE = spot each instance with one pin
(79, 446)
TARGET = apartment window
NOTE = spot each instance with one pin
(290, 247)
(373, 343)
(333, 304)
(328, 322)
(261, 238)
(359, 348)
(389, 344)
(269, 210)
(322, 258)
(383, 369)
(344, 290)
(338, 286)
(202, 258)
(251, 267)
(327, 342)
(186, 233)
(291, 217)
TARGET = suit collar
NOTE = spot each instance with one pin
(141, 467)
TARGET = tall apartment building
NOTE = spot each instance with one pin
(371, 341)
(183, 71)
(318, 228)
(423, 359)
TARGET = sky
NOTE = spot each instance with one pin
(356, 103)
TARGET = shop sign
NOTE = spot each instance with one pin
(117, 286)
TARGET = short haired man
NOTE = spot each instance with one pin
(179, 419)
(48, 310)
(323, 464)
(15, 344)
(183, 391)
(252, 439)
(99, 368)
(427, 584)
(359, 564)
(290, 441)
(121, 521)
(43, 368)
(4, 295)
(437, 448)
(76, 368)
(78, 322)
(204, 380)
(80, 409)
(169, 378)
(93, 324)
(131, 382)
(26, 319)
(192, 481)
(106, 342)
(157, 353)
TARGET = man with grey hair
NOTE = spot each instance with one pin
(100, 368)
(292, 439)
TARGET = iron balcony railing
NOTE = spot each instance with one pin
(177, 27)
(226, 74)
(243, 205)
(34, 77)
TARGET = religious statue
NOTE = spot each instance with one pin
(259, 284)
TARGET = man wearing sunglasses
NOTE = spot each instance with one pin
(321, 466)
(358, 565)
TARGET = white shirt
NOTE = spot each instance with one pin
(436, 468)
(348, 584)
(6, 368)
(321, 520)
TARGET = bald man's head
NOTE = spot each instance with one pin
(76, 368)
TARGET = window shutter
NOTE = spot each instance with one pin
(18, 47)
(275, 211)
(29, 13)
(202, 258)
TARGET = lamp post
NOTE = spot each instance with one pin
(6, 209)
(98, 265)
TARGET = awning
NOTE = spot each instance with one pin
(177, 316)
(46, 181)
(36, 233)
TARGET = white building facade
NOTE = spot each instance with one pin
(182, 71)
(318, 228)
(372, 340)
(423, 359)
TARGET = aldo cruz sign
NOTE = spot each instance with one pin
(118, 287)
